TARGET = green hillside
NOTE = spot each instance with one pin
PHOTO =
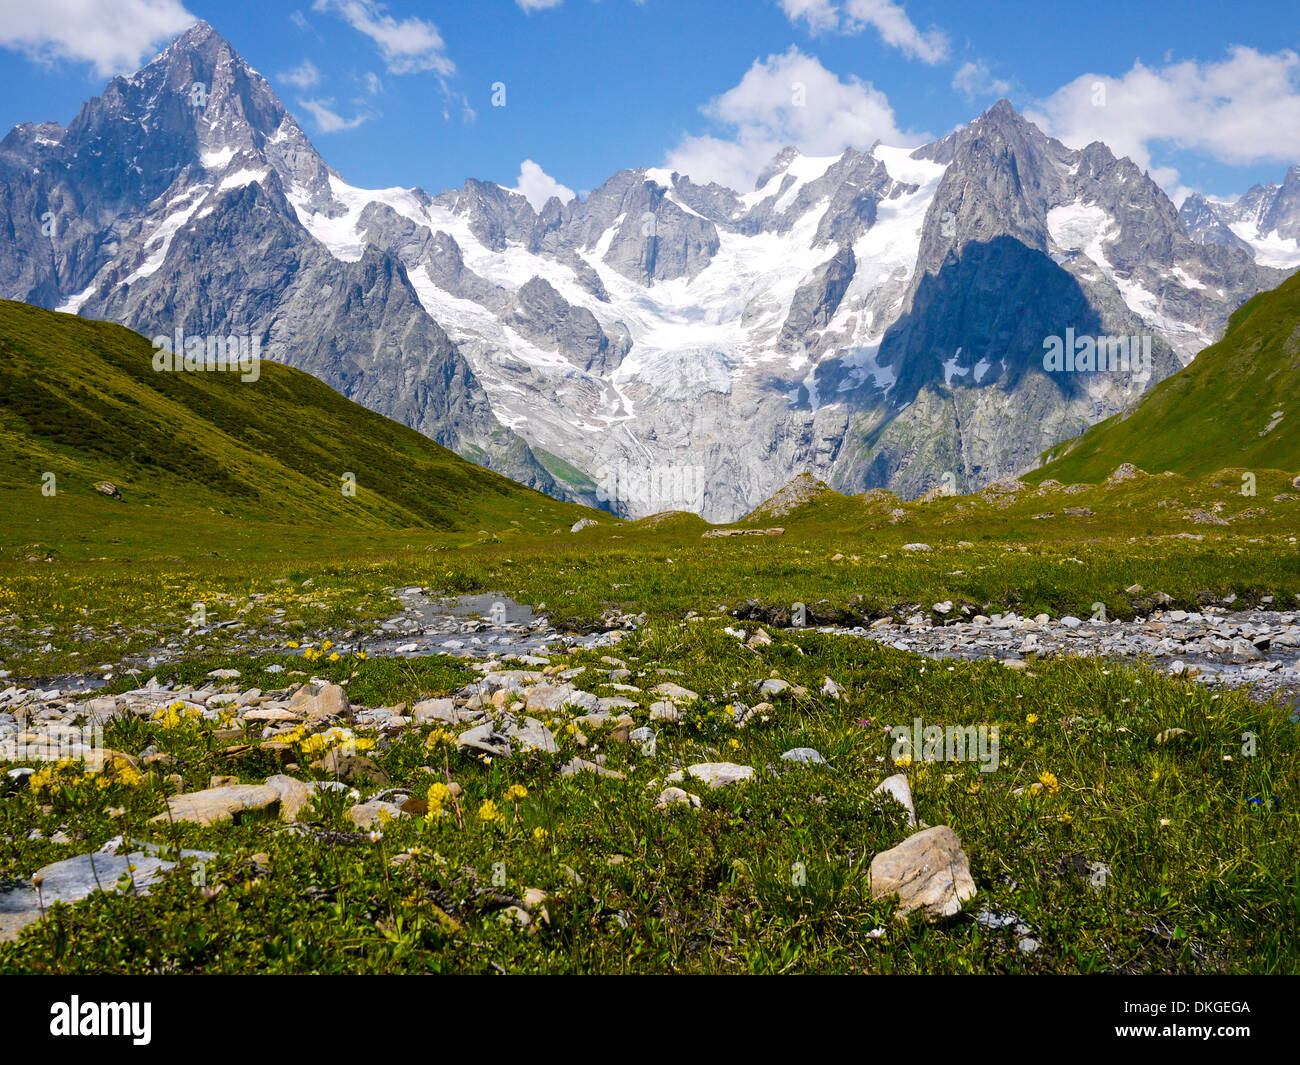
(81, 400)
(1233, 407)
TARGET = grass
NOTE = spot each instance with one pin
(1221, 410)
(769, 875)
(81, 401)
(232, 544)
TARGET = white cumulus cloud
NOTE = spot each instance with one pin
(886, 17)
(329, 120)
(115, 36)
(1241, 110)
(303, 76)
(786, 99)
(973, 79)
(408, 46)
(538, 186)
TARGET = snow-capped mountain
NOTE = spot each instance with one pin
(163, 206)
(877, 318)
(1265, 220)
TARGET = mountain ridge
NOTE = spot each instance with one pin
(876, 318)
(83, 402)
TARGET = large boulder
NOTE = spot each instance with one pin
(928, 872)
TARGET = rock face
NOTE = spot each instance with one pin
(877, 319)
(545, 317)
(928, 872)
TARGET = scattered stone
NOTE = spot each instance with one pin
(928, 871)
(295, 796)
(714, 533)
(487, 739)
(1125, 472)
(352, 768)
(444, 711)
(531, 735)
(714, 774)
(803, 756)
(665, 711)
(270, 715)
(374, 813)
(580, 765)
(898, 789)
(320, 703)
(675, 691)
(71, 880)
(675, 796)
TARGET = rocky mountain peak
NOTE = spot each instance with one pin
(780, 162)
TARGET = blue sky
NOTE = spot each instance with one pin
(401, 93)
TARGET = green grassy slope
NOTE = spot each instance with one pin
(1214, 414)
(81, 399)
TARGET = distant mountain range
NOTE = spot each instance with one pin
(1265, 221)
(878, 318)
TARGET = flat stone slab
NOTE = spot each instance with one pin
(487, 739)
(714, 774)
(72, 880)
(216, 805)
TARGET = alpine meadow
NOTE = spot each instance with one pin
(858, 536)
